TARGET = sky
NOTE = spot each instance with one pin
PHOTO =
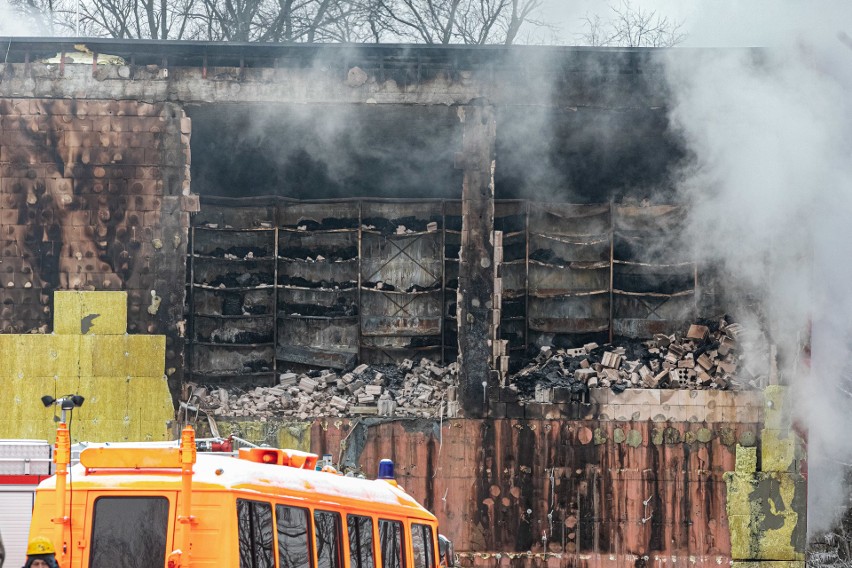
(711, 23)
(567, 16)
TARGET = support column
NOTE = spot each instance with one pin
(476, 275)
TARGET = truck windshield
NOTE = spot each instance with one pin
(129, 532)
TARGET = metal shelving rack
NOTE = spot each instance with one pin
(406, 306)
(584, 231)
(201, 319)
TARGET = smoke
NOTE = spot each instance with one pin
(13, 23)
(770, 186)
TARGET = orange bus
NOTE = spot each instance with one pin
(150, 506)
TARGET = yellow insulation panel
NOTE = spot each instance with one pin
(121, 376)
(146, 355)
(67, 307)
(103, 313)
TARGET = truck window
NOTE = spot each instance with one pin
(254, 520)
(424, 548)
(294, 540)
(129, 531)
(360, 541)
(328, 539)
(390, 539)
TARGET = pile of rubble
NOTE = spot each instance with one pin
(707, 357)
(410, 389)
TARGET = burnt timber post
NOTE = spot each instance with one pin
(476, 280)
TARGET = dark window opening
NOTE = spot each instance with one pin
(390, 538)
(254, 519)
(129, 531)
(294, 542)
(424, 548)
(360, 541)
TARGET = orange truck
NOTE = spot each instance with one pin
(156, 506)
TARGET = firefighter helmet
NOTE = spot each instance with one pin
(40, 545)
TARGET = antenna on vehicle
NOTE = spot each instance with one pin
(62, 459)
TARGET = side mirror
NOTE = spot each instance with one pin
(446, 552)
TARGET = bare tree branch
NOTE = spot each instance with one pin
(421, 21)
(632, 26)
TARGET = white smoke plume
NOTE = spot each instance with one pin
(12, 23)
(770, 181)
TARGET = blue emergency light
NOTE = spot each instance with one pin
(386, 469)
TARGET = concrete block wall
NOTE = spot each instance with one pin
(121, 376)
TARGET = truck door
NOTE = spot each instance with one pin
(15, 514)
(129, 529)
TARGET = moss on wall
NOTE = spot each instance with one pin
(766, 507)
(278, 434)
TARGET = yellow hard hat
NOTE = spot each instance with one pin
(40, 545)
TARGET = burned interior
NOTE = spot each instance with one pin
(329, 235)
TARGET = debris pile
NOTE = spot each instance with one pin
(423, 389)
(707, 356)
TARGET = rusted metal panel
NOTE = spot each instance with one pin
(415, 326)
(316, 356)
(564, 219)
(322, 333)
(639, 328)
(569, 249)
(569, 325)
(550, 280)
(296, 213)
(591, 307)
(593, 489)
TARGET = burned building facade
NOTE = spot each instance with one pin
(270, 208)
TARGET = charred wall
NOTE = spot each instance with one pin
(94, 196)
(325, 151)
(582, 128)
